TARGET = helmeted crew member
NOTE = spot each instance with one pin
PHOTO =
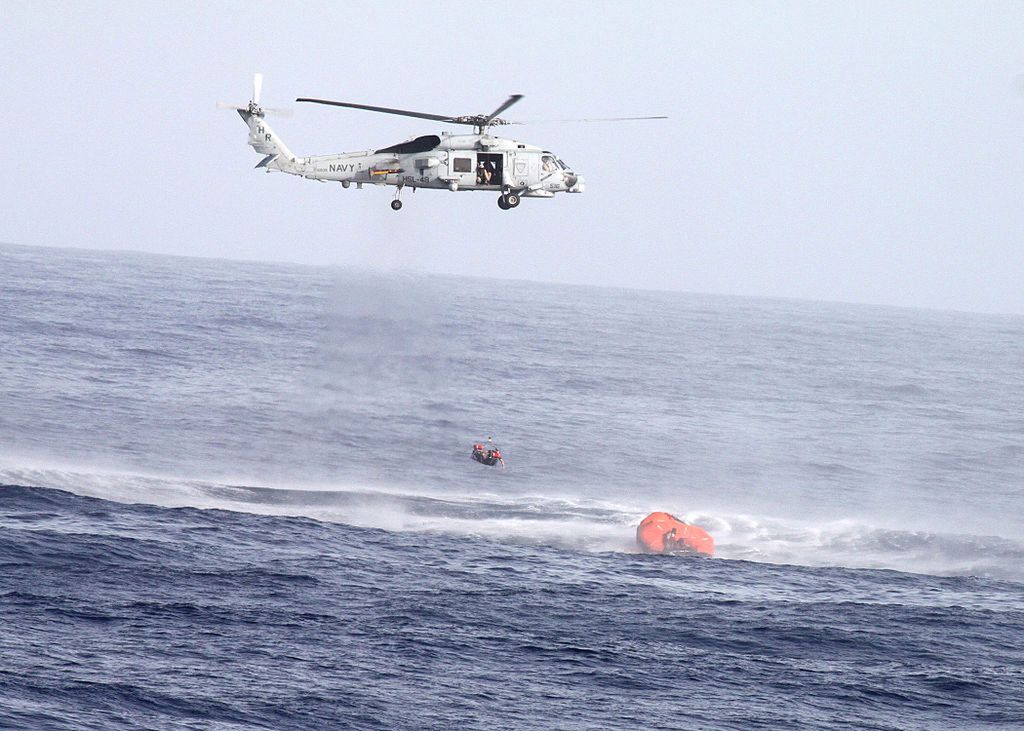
(494, 453)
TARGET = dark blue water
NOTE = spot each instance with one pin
(240, 496)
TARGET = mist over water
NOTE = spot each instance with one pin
(799, 432)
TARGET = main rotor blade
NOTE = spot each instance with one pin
(385, 110)
(508, 102)
(593, 119)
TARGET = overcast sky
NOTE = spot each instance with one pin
(863, 152)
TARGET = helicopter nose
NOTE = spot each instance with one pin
(574, 183)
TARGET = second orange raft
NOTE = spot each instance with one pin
(665, 533)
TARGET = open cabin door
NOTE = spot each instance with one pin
(490, 170)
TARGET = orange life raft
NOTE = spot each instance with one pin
(664, 533)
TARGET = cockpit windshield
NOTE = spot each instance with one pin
(550, 164)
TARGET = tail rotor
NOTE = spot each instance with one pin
(257, 87)
(253, 107)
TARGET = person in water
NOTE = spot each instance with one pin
(494, 453)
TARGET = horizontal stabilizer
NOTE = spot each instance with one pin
(266, 161)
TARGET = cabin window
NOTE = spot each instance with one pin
(463, 165)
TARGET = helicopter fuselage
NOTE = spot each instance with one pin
(449, 161)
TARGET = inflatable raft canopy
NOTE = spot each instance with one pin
(664, 533)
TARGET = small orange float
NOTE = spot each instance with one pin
(664, 533)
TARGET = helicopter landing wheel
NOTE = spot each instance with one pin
(396, 205)
(512, 200)
(502, 203)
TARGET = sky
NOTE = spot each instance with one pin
(867, 152)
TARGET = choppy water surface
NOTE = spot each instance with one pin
(239, 495)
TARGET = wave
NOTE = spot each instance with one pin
(579, 524)
(854, 544)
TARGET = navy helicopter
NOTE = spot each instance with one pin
(477, 161)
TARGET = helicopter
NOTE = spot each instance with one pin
(456, 162)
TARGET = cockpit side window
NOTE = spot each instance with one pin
(547, 163)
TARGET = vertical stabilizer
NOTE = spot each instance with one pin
(262, 138)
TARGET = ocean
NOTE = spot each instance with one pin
(239, 495)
